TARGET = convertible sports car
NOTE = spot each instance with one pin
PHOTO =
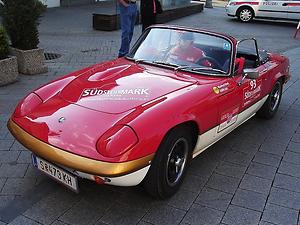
(143, 117)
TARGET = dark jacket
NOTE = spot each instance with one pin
(147, 8)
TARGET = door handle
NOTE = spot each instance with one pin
(284, 4)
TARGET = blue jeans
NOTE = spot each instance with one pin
(128, 17)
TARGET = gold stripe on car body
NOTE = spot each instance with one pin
(70, 160)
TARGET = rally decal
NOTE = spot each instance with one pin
(211, 136)
(226, 46)
(120, 94)
(221, 88)
(228, 118)
(252, 92)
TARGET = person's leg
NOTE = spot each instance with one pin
(133, 16)
(125, 27)
(151, 20)
(146, 23)
(143, 26)
(154, 19)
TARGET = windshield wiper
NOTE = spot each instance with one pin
(142, 60)
(201, 68)
(178, 67)
(166, 64)
(156, 62)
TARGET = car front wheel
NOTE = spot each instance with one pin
(169, 165)
(245, 14)
(270, 107)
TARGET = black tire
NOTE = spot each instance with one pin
(245, 14)
(270, 107)
(170, 164)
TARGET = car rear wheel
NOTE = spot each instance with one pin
(170, 164)
(245, 14)
(270, 107)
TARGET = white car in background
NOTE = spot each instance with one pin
(246, 10)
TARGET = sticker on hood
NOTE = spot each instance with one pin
(120, 94)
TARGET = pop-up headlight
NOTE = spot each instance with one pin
(27, 105)
(117, 141)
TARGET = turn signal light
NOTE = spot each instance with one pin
(99, 180)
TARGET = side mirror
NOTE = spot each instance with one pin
(251, 73)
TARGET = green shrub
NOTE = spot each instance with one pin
(3, 43)
(21, 20)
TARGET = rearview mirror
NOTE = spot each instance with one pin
(251, 73)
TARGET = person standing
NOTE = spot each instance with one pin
(128, 13)
(149, 9)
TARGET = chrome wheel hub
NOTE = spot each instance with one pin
(245, 15)
(176, 163)
(275, 97)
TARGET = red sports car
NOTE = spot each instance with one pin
(142, 118)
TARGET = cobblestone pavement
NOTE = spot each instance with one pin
(252, 176)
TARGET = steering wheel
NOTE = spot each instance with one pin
(215, 63)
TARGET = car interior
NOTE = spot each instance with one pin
(219, 54)
(251, 60)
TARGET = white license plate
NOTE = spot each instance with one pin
(56, 173)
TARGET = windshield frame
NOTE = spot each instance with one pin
(132, 51)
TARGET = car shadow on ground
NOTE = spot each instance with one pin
(236, 149)
(267, 22)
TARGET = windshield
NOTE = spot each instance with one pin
(184, 50)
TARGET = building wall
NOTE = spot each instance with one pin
(51, 3)
(58, 3)
(170, 3)
(76, 2)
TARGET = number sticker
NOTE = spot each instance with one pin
(253, 84)
(252, 92)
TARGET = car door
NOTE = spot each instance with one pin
(294, 9)
(241, 102)
(248, 94)
(251, 91)
(273, 9)
(229, 106)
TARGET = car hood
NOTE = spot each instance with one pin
(117, 88)
(69, 127)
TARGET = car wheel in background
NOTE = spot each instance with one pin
(245, 14)
(270, 107)
(170, 164)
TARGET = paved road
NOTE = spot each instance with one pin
(252, 176)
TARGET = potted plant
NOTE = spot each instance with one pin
(8, 65)
(21, 20)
